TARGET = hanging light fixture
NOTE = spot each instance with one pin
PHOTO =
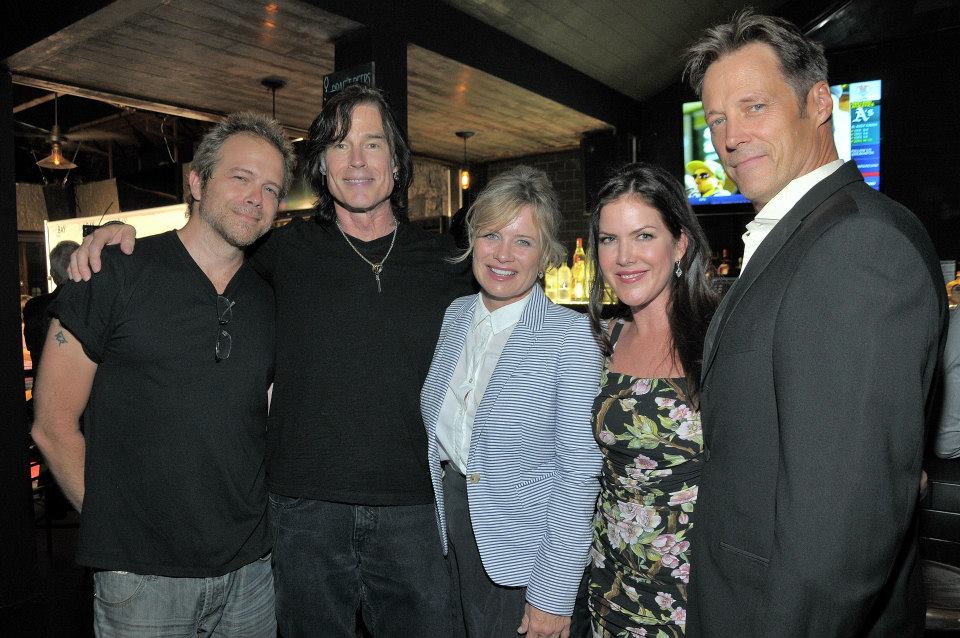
(55, 159)
(465, 169)
(273, 83)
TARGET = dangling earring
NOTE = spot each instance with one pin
(539, 274)
(678, 271)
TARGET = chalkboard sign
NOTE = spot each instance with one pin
(334, 82)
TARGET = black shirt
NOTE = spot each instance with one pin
(175, 441)
(345, 424)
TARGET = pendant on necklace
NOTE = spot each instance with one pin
(377, 269)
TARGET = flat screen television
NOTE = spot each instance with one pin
(856, 132)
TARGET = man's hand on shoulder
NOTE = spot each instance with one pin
(86, 260)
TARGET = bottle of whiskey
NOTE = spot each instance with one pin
(563, 283)
(723, 268)
(609, 297)
(550, 283)
(588, 276)
(578, 273)
(953, 291)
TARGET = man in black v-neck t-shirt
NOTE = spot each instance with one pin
(168, 355)
(360, 300)
(360, 297)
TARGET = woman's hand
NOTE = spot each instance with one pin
(540, 624)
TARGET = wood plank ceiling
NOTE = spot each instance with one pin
(629, 45)
(205, 59)
(445, 96)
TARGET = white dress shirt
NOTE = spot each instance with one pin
(768, 216)
(485, 341)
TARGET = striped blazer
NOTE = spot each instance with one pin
(533, 463)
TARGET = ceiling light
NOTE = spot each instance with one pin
(56, 160)
(465, 169)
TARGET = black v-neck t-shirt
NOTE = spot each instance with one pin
(175, 440)
(345, 423)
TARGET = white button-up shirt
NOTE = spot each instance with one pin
(781, 203)
(485, 341)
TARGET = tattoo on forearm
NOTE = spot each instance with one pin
(61, 338)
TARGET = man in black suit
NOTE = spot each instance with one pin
(817, 365)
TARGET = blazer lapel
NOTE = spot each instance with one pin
(771, 245)
(523, 337)
(446, 359)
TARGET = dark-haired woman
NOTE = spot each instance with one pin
(648, 245)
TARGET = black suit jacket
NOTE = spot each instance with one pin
(817, 370)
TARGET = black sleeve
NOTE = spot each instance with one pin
(264, 255)
(856, 332)
(89, 309)
(462, 282)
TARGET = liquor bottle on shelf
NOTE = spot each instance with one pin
(723, 268)
(578, 273)
(953, 291)
(563, 283)
(550, 283)
(588, 274)
(608, 295)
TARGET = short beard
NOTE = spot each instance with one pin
(232, 238)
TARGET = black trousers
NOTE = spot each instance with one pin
(487, 609)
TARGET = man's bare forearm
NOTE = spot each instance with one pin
(64, 450)
(63, 387)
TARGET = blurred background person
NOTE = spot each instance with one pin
(648, 246)
(35, 317)
(507, 409)
(948, 433)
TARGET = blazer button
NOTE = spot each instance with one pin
(474, 478)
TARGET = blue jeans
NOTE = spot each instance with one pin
(239, 604)
(331, 559)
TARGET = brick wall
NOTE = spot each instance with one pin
(566, 173)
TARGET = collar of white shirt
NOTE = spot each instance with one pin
(781, 204)
(501, 318)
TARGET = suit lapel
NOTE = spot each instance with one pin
(772, 244)
(523, 337)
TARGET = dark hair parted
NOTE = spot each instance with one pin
(209, 151)
(802, 60)
(692, 301)
(332, 125)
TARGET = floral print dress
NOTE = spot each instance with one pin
(651, 440)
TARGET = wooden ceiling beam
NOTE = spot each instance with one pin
(117, 100)
(37, 101)
(139, 103)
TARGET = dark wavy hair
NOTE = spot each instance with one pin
(692, 300)
(332, 125)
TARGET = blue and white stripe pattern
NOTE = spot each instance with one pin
(533, 464)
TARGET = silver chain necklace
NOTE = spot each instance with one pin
(376, 267)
